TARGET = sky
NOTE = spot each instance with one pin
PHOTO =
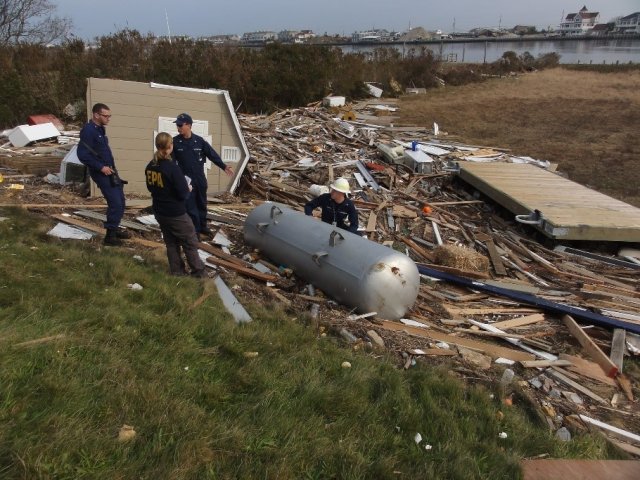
(215, 17)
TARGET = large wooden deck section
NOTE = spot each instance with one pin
(570, 211)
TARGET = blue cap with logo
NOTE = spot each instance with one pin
(182, 119)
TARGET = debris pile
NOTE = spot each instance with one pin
(495, 304)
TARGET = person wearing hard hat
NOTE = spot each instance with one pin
(336, 207)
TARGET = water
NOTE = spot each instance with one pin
(570, 51)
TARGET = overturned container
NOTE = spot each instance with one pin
(352, 270)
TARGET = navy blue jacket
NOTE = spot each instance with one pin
(335, 213)
(168, 188)
(191, 155)
(95, 136)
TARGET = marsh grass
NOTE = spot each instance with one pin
(586, 120)
(200, 407)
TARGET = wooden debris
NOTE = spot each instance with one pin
(609, 368)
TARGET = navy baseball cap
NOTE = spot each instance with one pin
(182, 119)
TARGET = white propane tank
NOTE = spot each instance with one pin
(352, 270)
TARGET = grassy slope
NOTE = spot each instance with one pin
(585, 121)
(201, 408)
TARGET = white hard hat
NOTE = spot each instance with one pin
(341, 185)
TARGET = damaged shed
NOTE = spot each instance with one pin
(141, 110)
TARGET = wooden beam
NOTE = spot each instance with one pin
(545, 363)
(494, 351)
(520, 321)
(498, 266)
(249, 272)
(609, 368)
(575, 385)
(587, 368)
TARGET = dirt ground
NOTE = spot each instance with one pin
(586, 122)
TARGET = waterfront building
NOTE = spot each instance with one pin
(628, 25)
(579, 23)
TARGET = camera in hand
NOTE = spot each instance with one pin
(115, 179)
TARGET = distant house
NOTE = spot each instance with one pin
(579, 23)
(628, 25)
(371, 36)
(523, 29)
(600, 30)
(259, 37)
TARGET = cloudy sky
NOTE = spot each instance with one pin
(215, 17)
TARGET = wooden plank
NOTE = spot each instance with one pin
(587, 368)
(498, 266)
(373, 220)
(618, 432)
(572, 469)
(457, 271)
(243, 270)
(609, 368)
(617, 347)
(559, 375)
(494, 351)
(488, 310)
(442, 352)
(545, 363)
(520, 321)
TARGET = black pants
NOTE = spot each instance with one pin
(179, 234)
(197, 206)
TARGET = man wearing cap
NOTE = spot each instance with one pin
(191, 151)
(336, 206)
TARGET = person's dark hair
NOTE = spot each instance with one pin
(98, 107)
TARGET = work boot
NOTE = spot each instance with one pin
(199, 273)
(111, 238)
(122, 233)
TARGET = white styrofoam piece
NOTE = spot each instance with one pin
(334, 101)
(24, 134)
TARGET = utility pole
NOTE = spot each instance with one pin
(166, 15)
(500, 23)
(454, 25)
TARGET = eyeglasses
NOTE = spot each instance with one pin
(104, 115)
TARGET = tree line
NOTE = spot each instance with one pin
(35, 78)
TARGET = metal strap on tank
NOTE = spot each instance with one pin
(332, 237)
(317, 256)
(273, 212)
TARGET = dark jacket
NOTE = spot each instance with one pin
(335, 213)
(95, 136)
(191, 155)
(168, 188)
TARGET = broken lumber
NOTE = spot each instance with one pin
(609, 368)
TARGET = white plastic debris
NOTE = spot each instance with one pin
(502, 435)
(504, 361)
(138, 258)
(221, 239)
(443, 345)
(428, 447)
(417, 438)
(62, 230)
(134, 286)
(346, 365)
(148, 220)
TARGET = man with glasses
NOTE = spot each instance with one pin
(95, 153)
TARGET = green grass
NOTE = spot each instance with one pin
(200, 407)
